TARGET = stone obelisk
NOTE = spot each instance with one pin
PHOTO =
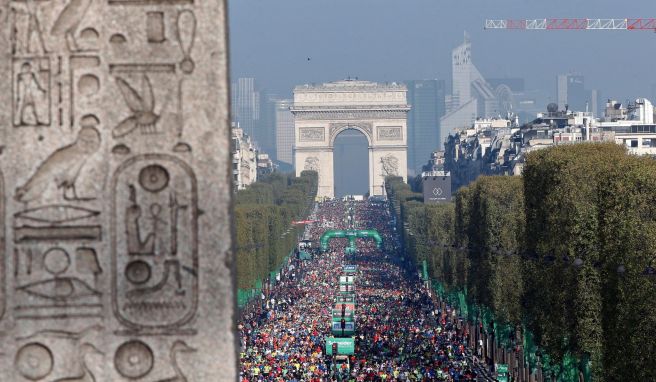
(115, 238)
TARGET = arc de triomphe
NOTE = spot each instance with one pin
(322, 112)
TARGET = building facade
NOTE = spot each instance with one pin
(631, 125)
(284, 126)
(245, 106)
(264, 165)
(471, 96)
(572, 94)
(483, 148)
(426, 98)
(244, 159)
(266, 126)
(499, 147)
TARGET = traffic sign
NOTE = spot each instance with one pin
(347, 288)
(350, 268)
(349, 315)
(346, 280)
(349, 299)
(345, 346)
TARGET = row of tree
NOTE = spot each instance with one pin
(564, 251)
(263, 214)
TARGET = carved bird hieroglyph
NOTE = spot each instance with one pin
(142, 107)
(69, 20)
(61, 168)
(178, 347)
(87, 374)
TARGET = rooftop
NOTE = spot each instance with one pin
(350, 85)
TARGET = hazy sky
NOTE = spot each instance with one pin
(388, 40)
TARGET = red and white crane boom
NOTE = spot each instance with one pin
(573, 24)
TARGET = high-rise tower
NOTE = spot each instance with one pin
(471, 96)
(426, 97)
(246, 105)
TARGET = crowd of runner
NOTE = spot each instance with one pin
(401, 335)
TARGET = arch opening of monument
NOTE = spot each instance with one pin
(378, 111)
(351, 163)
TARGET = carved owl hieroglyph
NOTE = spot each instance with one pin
(390, 165)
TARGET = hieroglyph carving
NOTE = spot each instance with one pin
(85, 373)
(142, 108)
(31, 89)
(134, 359)
(2, 247)
(155, 27)
(389, 133)
(61, 169)
(152, 101)
(55, 222)
(26, 31)
(150, 2)
(53, 277)
(390, 165)
(53, 284)
(68, 21)
(186, 35)
(45, 59)
(179, 347)
(311, 134)
(154, 250)
(35, 360)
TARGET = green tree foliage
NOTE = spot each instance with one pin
(627, 231)
(263, 214)
(544, 250)
(256, 193)
(562, 213)
(400, 194)
(495, 232)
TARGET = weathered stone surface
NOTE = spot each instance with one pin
(115, 260)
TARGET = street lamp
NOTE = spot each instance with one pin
(493, 343)
(538, 366)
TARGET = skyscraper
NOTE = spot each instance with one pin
(571, 91)
(471, 96)
(246, 106)
(284, 131)
(266, 126)
(595, 101)
(426, 97)
(561, 91)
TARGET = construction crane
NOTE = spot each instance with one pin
(573, 24)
